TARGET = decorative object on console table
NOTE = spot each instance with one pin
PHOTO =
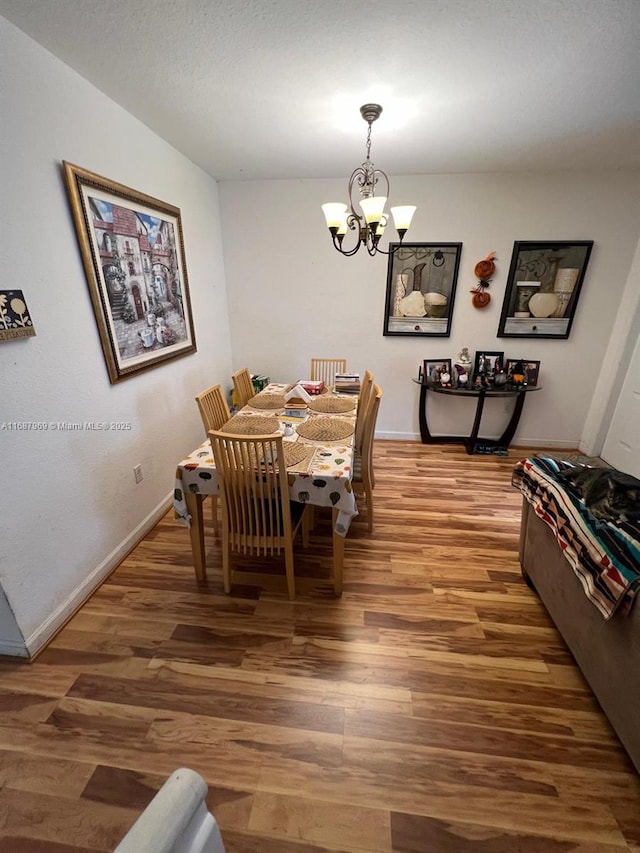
(428, 272)
(521, 367)
(543, 286)
(485, 364)
(434, 368)
(132, 249)
(462, 369)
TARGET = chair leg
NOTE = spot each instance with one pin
(214, 515)
(226, 561)
(288, 563)
(369, 494)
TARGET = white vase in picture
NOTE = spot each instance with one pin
(413, 305)
(543, 304)
(402, 280)
(563, 285)
(524, 292)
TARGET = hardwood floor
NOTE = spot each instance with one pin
(433, 707)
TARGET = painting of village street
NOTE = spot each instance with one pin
(136, 270)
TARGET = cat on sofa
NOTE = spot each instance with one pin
(608, 494)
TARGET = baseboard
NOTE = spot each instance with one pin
(13, 649)
(518, 442)
(53, 623)
(399, 436)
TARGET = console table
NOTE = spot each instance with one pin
(480, 394)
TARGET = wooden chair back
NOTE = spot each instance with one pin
(243, 386)
(214, 410)
(326, 369)
(366, 388)
(368, 477)
(256, 510)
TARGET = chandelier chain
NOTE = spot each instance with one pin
(369, 142)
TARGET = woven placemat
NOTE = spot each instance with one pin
(250, 425)
(294, 453)
(326, 429)
(332, 404)
(267, 401)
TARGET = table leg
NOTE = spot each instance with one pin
(471, 443)
(425, 435)
(196, 530)
(338, 556)
(507, 435)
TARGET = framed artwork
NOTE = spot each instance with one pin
(15, 321)
(485, 361)
(433, 369)
(421, 288)
(132, 249)
(543, 287)
(531, 370)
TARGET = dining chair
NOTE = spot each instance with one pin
(326, 369)
(363, 476)
(366, 387)
(243, 386)
(214, 412)
(257, 516)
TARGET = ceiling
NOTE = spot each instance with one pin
(272, 88)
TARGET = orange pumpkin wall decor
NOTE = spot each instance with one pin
(483, 270)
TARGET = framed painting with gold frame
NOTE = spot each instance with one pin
(132, 249)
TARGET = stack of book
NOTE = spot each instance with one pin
(312, 386)
(347, 383)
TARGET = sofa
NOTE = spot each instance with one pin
(606, 647)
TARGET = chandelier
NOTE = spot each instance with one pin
(370, 224)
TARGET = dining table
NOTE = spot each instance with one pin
(321, 476)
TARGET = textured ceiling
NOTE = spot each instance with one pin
(271, 88)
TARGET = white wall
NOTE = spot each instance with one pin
(292, 296)
(69, 501)
(615, 364)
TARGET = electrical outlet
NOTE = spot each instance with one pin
(137, 473)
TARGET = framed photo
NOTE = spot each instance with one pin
(421, 288)
(15, 321)
(531, 370)
(543, 288)
(433, 368)
(133, 254)
(485, 361)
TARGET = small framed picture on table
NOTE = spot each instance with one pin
(485, 362)
(530, 370)
(435, 371)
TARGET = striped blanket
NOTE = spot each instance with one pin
(604, 555)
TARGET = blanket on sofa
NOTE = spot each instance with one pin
(605, 556)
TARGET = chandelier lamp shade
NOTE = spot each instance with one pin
(370, 223)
